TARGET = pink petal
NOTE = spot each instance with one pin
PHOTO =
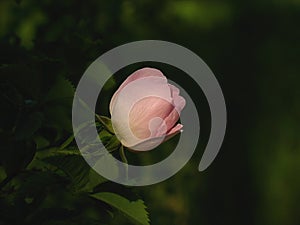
(131, 95)
(175, 129)
(178, 101)
(147, 145)
(141, 73)
(152, 143)
(172, 119)
(146, 110)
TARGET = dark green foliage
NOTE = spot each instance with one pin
(46, 181)
(134, 210)
(43, 177)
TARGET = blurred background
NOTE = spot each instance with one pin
(252, 46)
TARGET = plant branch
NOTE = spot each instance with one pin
(124, 159)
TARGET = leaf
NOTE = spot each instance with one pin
(59, 117)
(28, 126)
(134, 210)
(103, 161)
(15, 155)
(94, 180)
(62, 91)
(41, 142)
(2, 174)
(35, 182)
(70, 161)
(58, 105)
(67, 142)
(106, 122)
(82, 176)
(11, 100)
(39, 161)
(74, 166)
(110, 141)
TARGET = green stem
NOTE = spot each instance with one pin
(104, 124)
(124, 159)
(6, 181)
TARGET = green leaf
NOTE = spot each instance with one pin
(71, 163)
(67, 142)
(58, 105)
(59, 117)
(62, 91)
(134, 210)
(15, 155)
(94, 180)
(56, 152)
(11, 100)
(2, 174)
(101, 163)
(28, 125)
(73, 166)
(110, 141)
(41, 142)
(106, 122)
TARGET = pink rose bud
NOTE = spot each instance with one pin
(145, 110)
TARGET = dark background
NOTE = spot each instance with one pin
(253, 48)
